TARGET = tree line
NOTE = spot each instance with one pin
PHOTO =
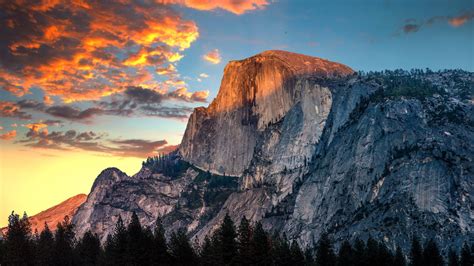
(245, 244)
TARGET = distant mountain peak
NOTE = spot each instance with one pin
(52, 216)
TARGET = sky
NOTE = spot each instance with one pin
(86, 85)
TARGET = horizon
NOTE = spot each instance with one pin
(79, 95)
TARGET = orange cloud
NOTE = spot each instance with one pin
(73, 51)
(213, 57)
(36, 127)
(9, 135)
(11, 109)
(236, 7)
(461, 20)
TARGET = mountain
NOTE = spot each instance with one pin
(55, 214)
(306, 145)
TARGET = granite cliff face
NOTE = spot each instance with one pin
(254, 93)
(305, 146)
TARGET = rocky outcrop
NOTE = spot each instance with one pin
(307, 146)
(254, 93)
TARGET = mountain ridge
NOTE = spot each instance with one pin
(339, 155)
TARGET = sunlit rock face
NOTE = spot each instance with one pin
(306, 146)
(254, 93)
(54, 215)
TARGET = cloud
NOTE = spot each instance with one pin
(85, 50)
(411, 26)
(38, 137)
(11, 109)
(36, 127)
(237, 7)
(134, 100)
(461, 19)
(203, 75)
(47, 100)
(72, 113)
(9, 135)
(179, 112)
(212, 57)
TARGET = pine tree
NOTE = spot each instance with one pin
(88, 249)
(207, 254)
(181, 250)
(281, 250)
(384, 256)
(64, 238)
(2, 251)
(466, 256)
(244, 242)
(147, 242)
(324, 252)
(371, 252)
(116, 245)
(431, 255)
(135, 247)
(260, 246)
(345, 255)
(399, 259)
(297, 257)
(453, 259)
(416, 253)
(18, 246)
(161, 255)
(308, 257)
(227, 240)
(45, 247)
(359, 252)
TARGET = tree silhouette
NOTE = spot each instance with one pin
(416, 252)
(116, 245)
(359, 252)
(260, 246)
(466, 256)
(297, 256)
(18, 250)
(181, 250)
(399, 258)
(281, 250)
(324, 252)
(453, 259)
(45, 246)
(88, 249)
(244, 242)
(160, 253)
(227, 241)
(345, 255)
(431, 254)
(64, 238)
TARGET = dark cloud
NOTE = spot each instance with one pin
(412, 25)
(72, 113)
(135, 100)
(411, 28)
(38, 137)
(50, 122)
(11, 109)
(143, 96)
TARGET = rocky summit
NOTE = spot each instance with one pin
(307, 146)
